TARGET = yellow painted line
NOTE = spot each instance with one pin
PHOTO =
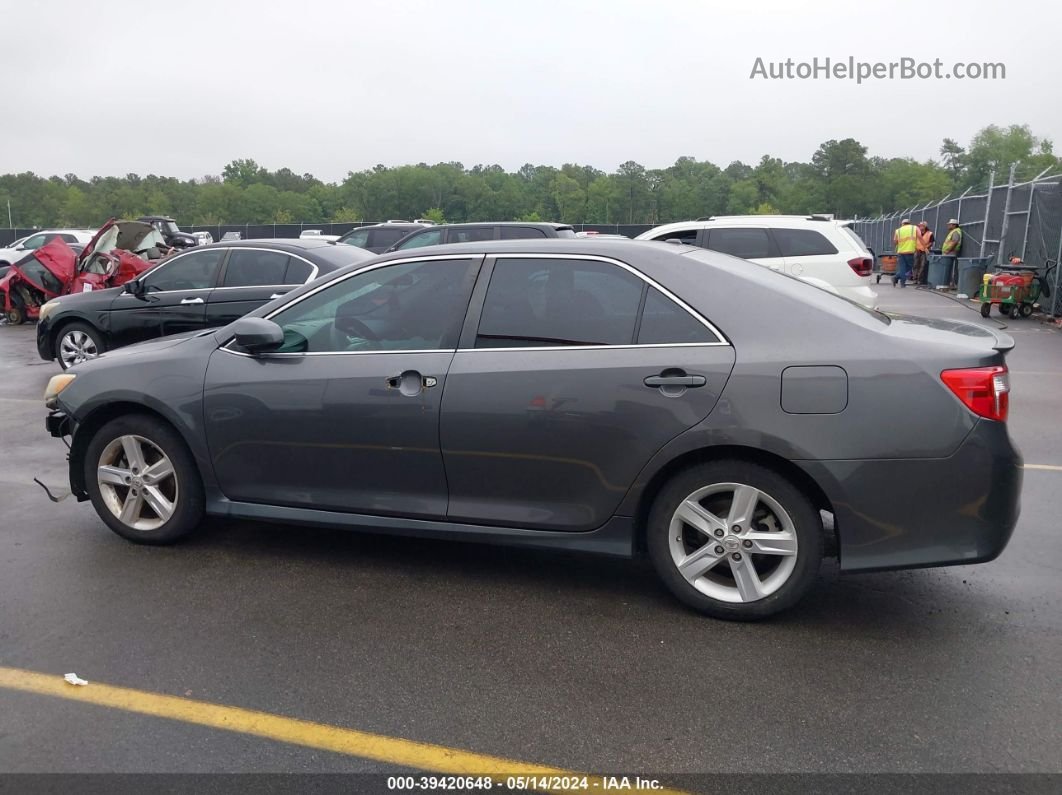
(1045, 467)
(378, 747)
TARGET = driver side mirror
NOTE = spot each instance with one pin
(134, 287)
(257, 335)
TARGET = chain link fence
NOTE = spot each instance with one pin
(1013, 219)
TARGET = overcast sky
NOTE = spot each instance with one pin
(327, 86)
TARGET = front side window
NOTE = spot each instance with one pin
(248, 267)
(547, 302)
(432, 237)
(359, 238)
(195, 271)
(409, 306)
(35, 242)
(802, 243)
(740, 242)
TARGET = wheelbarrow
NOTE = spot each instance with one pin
(886, 266)
(1014, 289)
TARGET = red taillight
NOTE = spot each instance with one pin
(983, 390)
(861, 265)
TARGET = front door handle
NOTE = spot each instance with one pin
(276, 295)
(411, 383)
(186, 301)
(676, 380)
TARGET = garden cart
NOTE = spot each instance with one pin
(1014, 288)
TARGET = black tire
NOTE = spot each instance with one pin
(188, 498)
(1024, 310)
(879, 279)
(1004, 309)
(986, 309)
(77, 328)
(805, 519)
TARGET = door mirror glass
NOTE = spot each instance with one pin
(257, 335)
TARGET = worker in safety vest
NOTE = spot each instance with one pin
(952, 247)
(905, 241)
(924, 241)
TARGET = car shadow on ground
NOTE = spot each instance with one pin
(931, 601)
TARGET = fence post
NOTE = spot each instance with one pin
(988, 209)
(1006, 214)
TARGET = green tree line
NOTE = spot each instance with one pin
(840, 178)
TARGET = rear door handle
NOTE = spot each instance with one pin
(186, 301)
(676, 380)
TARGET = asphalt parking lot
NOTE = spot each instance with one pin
(572, 662)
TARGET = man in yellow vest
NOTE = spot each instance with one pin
(905, 242)
(952, 248)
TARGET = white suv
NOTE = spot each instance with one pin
(815, 248)
(23, 246)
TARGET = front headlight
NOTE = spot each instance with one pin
(56, 385)
(48, 308)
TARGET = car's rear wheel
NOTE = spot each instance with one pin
(143, 481)
(735, 540)
(77, 343)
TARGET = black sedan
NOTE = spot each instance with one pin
(201, 288)
(606, 396)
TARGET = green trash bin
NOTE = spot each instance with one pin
(971, 273)
(938, 275)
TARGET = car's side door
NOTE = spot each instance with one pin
(252, 277)
(748, 242)
(345, 417)
(172, 298)
(573, 371)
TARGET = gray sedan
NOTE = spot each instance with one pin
(615, 397)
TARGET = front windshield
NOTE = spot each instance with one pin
(170, 228)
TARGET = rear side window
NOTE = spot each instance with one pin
(565, 232)
(520, 232)
(68, 238)
(298, 271)
(740, 242)
(432, 237)
(552, 302)
(664, 321)
(385, 238)
(802, 243)
(685, 235)
(251, 268)
(471, 234)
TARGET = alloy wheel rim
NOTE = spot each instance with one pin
(76, 347)
(137, 482)
(733, 542)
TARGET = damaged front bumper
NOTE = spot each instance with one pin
(59, 424)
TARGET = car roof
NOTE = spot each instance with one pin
(534, 224)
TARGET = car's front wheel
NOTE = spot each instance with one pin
(77, 343)
(143, 481)
(735, 540)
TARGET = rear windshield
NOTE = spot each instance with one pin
(565, 231)
(342, 255)
(769, 273)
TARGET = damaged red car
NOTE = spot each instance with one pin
(119, 252)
